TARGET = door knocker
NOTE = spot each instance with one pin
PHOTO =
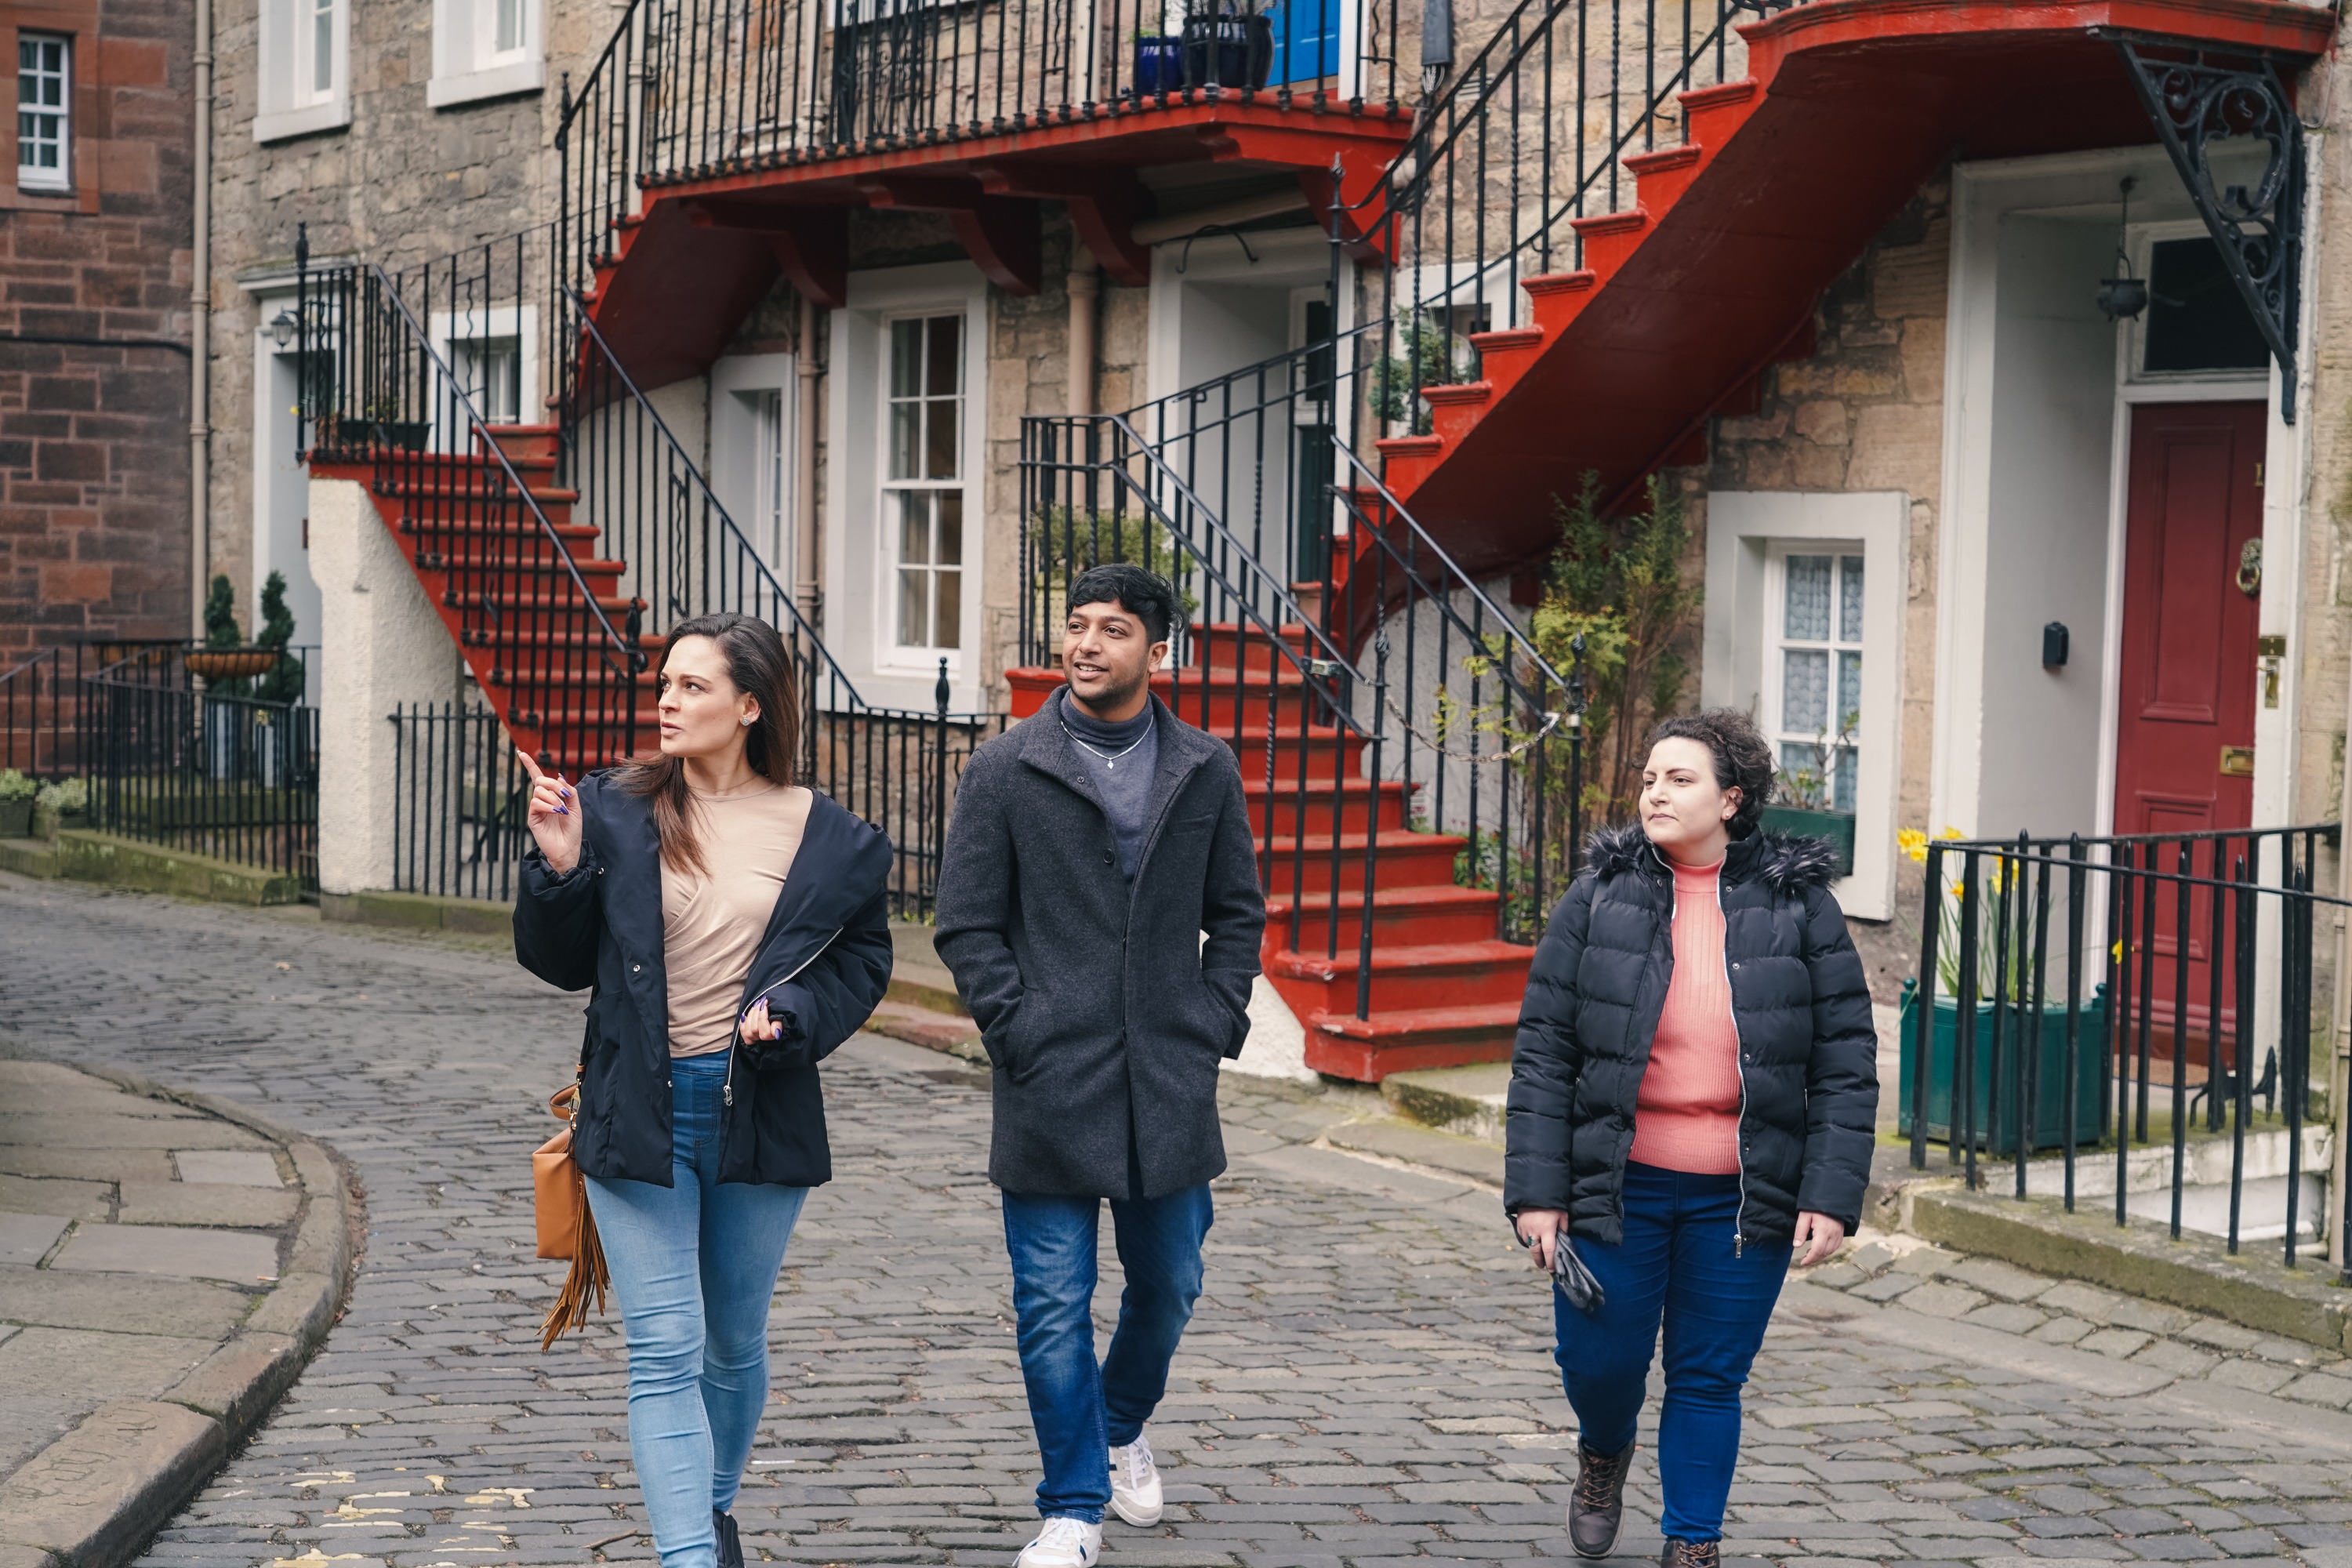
(2250, 568)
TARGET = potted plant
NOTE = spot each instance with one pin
(17, 795)
(59, 805)
(1159, 64)
(1804, 800)
(390, 429)
(2004, 982)
(224, 662)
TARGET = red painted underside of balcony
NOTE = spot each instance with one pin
(1713, 272)
(709, 244)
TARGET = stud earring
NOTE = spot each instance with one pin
(749, 723)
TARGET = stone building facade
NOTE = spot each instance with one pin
(95, 530)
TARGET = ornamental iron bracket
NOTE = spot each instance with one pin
(2200, 106)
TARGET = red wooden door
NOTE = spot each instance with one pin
(2184, 749)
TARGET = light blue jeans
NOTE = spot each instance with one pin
(694, 1266)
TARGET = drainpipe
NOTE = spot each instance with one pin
(1085, 285)
(2339, 1076)
(807, 590)
(200, 267)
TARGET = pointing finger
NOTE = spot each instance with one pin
(531, 764)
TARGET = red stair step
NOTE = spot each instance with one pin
(1366, 1050)
(1465, 973)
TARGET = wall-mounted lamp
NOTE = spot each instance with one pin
(2122, 298)
(2055, 644)
(282, 328)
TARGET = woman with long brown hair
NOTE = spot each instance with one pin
(732, 926)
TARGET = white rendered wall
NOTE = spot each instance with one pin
(382, 645)
(2053, 418)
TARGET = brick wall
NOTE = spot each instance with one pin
(94, 433)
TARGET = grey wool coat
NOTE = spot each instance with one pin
(1104, 1012)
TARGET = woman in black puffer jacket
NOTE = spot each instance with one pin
(1694, 1093)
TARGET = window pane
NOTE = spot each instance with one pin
(1849, 694)
(323, 47)
(905, 358)
(1849, 598)
(1804, 690)
(509, 25)
(1802, 761)
(912, 630)
(950, 514)
(945, 379)
(949, 631)
(914, 527)
(939, 450)
(1841, 781)
(906, 427)
(1808, 614)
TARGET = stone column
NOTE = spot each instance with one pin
(381, 645)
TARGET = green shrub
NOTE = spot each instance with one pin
(15, 785)
(69, 798)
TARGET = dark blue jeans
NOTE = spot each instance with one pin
(1677, 1263)
(1083, 1409)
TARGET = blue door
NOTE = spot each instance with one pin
(1305, 40)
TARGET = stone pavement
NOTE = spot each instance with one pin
(1368, 1378)
(163, 1270)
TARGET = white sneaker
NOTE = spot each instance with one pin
(1063, 1544)
(1135, 1483)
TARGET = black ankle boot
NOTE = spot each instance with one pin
(1598, 1505)
(1690, 1554)
(730, 1545)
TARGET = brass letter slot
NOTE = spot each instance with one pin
(2237, 761)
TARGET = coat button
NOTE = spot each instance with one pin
(634, 967)
(1109, 857)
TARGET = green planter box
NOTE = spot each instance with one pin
(2048, 1088)
(16, 818)
(1837, 827)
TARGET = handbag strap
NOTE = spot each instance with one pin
(564, 1103)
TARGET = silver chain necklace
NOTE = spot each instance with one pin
(1109, 759)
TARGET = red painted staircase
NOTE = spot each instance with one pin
(512, 577)
(1443, 992)
(1684, 298)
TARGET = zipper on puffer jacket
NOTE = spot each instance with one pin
(727, 1089)
(1739, 1061)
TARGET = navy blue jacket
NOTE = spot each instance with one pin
(822, 965)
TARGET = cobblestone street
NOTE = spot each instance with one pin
(1368, 1378)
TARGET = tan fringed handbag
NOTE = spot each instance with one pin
(566, 1227)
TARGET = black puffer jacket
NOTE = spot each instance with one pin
(1808, 1058)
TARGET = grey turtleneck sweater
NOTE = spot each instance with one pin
(1120, 758)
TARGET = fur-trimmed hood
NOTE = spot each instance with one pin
(1787, 862)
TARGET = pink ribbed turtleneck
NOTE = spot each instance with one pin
(1687, 1117)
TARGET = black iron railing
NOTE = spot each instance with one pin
(177, 748)
(41, 697)
(2125, 1019)
(696, 89)
(459, 795)
(427, 380)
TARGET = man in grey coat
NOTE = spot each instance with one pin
(1093, 846)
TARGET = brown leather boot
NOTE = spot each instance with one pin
(1690, 1554)
(1598, 1506)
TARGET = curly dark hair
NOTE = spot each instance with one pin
(1743, 758)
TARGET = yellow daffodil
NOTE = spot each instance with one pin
(1912, 843)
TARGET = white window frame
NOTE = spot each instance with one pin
(290, 101)
(1744, 529)
(895, 649)
(856, 565)
(1772, 713)
(32, 176)
(468, 66)
(455, 335)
